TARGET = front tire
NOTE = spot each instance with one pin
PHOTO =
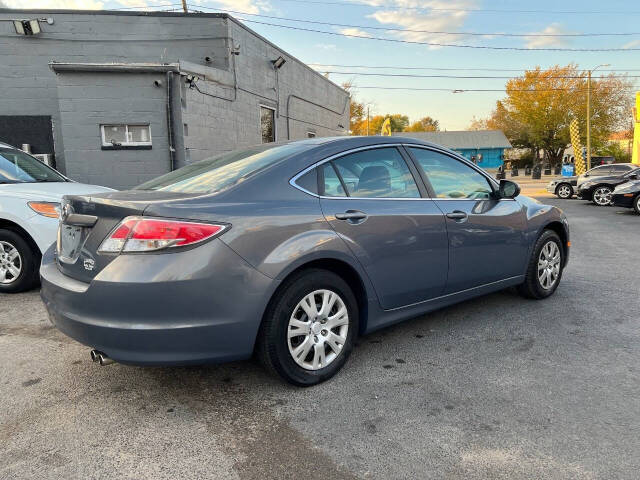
(309, 328)
(18, 263)
(602, 196)
(636, 204)
(564, 191)
(544, 270)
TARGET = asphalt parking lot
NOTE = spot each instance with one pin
(498, 387)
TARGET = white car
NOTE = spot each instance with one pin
(30, 194)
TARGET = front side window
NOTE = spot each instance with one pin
(599, 171)
(377, 173)
(451, 178)
(126, 135)
(18, 167)
(223, 171)
(267, 124)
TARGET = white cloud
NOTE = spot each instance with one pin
(633, 44)
(429, 18)
(247, 6)
(62, 4)
(354, 31)
(326, 46)
(547, 42)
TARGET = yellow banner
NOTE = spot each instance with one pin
(386, 128)
(574, 130)
(635, 158)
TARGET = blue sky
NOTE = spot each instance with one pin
(454, 111)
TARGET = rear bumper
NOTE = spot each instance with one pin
(137, 312)
(619, 200)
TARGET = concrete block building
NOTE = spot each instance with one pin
(122, 97)
(484, 147)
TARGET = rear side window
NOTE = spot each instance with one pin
(620, 168)
(451, 178)
(309, 181)
(221, 172)
(377, 173)
(332, 184)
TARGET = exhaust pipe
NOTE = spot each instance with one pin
(101, 358)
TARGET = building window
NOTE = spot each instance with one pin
(311, 134)
(267, 124)
(126, 136)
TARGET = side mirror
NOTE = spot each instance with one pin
(508, 189)
(633, 176)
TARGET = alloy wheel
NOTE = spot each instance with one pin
(549, 265)
(10, 263)
(602, 196)
(564, 191)
(318, 329)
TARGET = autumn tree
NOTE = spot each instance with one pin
(478, 124)
(540, 105)
(425, 124)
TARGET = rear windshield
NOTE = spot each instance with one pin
(218, 173)
(18, 167)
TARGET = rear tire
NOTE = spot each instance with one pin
(564, 191)
(306, 349)
(544, 270)
(19, 263)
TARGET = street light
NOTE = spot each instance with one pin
(589, 112)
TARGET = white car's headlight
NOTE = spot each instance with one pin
(46, 209)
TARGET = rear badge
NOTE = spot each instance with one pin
(89, 264)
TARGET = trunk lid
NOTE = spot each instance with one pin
(88, 219)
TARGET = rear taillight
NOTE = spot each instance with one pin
(139, 234)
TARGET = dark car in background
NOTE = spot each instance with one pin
(627, 195)
(599, 190)
(292, 251)
(567, 187)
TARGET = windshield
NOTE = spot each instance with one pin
(633, 172)
(18, 167)
(217, 173)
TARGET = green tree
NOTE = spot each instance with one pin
(425, 124)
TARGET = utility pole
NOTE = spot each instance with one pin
(367, 120)
(589, 113)
(588, 120)
(184, 6)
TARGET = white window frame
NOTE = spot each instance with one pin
(275, 123)
(105, 143)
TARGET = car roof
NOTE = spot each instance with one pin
(6, 145)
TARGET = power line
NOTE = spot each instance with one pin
(368, 27)
(468, 10)
(477, 77)
(465, 90)
(437, 44)
(396, 67)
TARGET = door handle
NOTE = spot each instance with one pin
(351, 215)
(457, 215)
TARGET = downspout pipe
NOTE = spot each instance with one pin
(170, 129)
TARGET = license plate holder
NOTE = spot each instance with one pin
(69, 243)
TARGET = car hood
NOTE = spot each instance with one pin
(50, 190)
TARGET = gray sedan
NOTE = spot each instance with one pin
(291, 251)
